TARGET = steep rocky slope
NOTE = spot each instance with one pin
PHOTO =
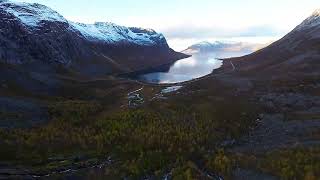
(295, 54)
(35, 34)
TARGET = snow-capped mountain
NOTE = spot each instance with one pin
(296, 54)
(205, 45)
(33, 33)
(33, 16)
(218, 46)
(112, 33)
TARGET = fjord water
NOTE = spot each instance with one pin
(196, 66)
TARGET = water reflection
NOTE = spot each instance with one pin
(190, 68)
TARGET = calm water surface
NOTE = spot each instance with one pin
(190, 68)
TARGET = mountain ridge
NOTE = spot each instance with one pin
(33, 15)
(221, 46)
(34, 33)
(296, 54)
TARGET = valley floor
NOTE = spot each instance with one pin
(225, 125)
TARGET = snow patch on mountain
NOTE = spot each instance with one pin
(216, 44)
(112, 33)
(223, 46)
(33, 15)
(310, 22)
(203, 43)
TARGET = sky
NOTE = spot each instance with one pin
(184, 22)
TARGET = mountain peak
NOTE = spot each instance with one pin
(311, 22)
(203, 44)
(30, 14)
